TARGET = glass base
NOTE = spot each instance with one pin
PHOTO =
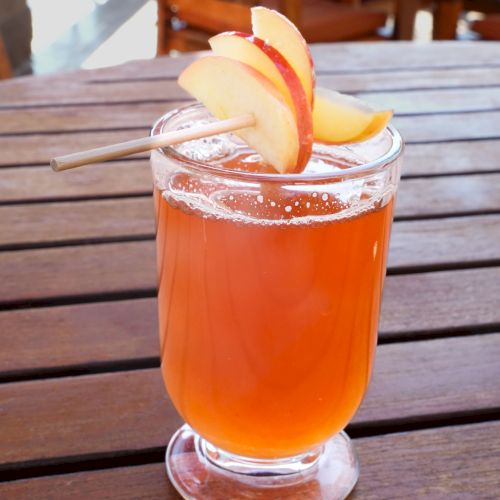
(199, 470)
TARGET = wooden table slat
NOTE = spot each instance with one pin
(440, 127)
(143, 115)
(67, 90)
(428, 463)
(94, 219)
(83, 334)
(109, 179)
(455, 157)
(39, 149)
(130, 410)
(78, 335)
(41, 223)
(113, 267)
(342, 57)
(132, 177)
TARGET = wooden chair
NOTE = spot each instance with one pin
(187, 24)
(5, 67)
(488, 28)
(447, 14)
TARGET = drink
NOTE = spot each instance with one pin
(268, 326)
(269, 297)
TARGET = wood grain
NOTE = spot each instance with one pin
(390, 56)
(103, 413)
(123, 483)
(117, 267)
(357, 58)
(90, 117)
(56, 272)
(347, 57)
(440, 301)
(56, 337)
(441, 127)
(109, 179)
(39, 149)
(435, 101)
(435, 463)
(134, 176)
(84, 415)
(83, 334)
(452, 127)
(71, 89)
(448, 158)
(143, 115)
(421, 464)
(444, 242)
(448, 195)
(419, 159)
(421, 79)
(43, 223)
(56, 222)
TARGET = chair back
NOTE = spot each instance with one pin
(5, 67)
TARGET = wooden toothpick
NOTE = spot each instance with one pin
(148, 143)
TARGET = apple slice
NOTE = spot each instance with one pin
(380, 120)
(340, 118)
(276, 30)
(229, 88)
(267, 60)
(241, 46)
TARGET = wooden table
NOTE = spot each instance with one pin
(83, 412)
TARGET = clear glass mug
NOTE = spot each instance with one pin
(269, 296)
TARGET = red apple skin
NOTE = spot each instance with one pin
(298, 35)
(302, 110)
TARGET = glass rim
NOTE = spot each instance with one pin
(384, 160)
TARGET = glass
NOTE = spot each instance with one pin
(269, 296)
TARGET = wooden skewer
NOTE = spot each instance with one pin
(148, 143)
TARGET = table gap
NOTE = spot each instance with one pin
(430, 268)
(124, 458)
(7, 107)
(320, 72)
(134, 293)
(46, 163)
(145, 131)
(64, 300)
(150, 236)
(92, 103)
(79, 370)
(145, 194)
(134, 364)
(125, 238)
(66, 199)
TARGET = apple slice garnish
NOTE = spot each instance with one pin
(340, 118)
(230, 88)
(276, 30)
(267, 60)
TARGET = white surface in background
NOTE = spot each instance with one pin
(135, 39)
(423, 26)
(53, 18)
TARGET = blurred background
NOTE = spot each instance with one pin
(49, 36)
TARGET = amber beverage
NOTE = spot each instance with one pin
(270, 288)
(268, 330)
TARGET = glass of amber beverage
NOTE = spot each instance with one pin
(269, 296)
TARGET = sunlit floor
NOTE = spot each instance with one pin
(73, 34)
